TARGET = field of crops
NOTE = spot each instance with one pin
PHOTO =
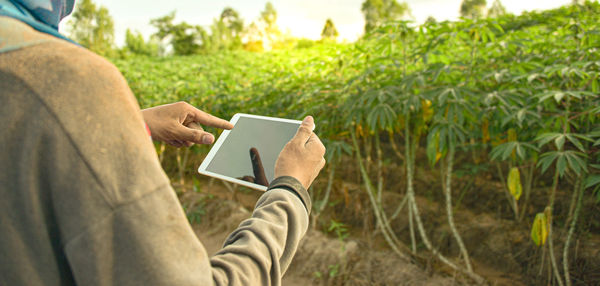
(495, 117)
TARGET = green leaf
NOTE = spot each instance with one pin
(521, 152)
(514, 183)
(546, 137)
(576, 161)
(539, 230)
(592, 180)
(546, 160)
(559, 142)
(575, 141)
(561, 164)
(432, 147)
(558, 96)
(532, 77)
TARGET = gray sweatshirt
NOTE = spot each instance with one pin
(83, 198)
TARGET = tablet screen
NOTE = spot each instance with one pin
(247, 153)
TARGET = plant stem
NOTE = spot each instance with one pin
(399, 208)
(579, 194)
(413, 240)
(321, 207)
(528, 188)
(543, 260)
(478, 279)
(370, 191)
(412, 204)
(448, 193)
(550, 218)
(395, 147)
(409, 162)
(379, 170)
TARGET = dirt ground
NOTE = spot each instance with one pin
(500, 249)
(322, 260)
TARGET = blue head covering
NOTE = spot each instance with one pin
(49, 12)
(42, 15)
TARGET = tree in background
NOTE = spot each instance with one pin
(377, 12)
(135, 43)
(329, 30)
(263, 33)
(93, 27)
(253, 36)
(232, 21)
(496, 10)
(185, 39)
(473, 9)
(226, 31)
(268, 18)
(235, 26)
(430, 20)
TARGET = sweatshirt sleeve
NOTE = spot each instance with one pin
(150, 242)
(260, 250)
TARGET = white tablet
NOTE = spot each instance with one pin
(247, 153)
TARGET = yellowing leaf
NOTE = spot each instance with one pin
(427, 110)
(539, 230)
(514, 183)
(359, 131)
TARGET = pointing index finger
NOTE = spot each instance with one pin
(209, 120)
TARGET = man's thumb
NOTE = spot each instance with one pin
(305, 130)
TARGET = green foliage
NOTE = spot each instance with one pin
(228, 29)
(340, 229)
(430, 20)
(185, 39)
(377, 12)
(594, 183)
(135, 44)
(329, 30)
(473, 9)
(304, 43)
(232, 20)
(496, 10)
(523, 90)
(269, 15)
(93, 27)
(271, 34)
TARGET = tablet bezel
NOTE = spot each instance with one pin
(215, 148)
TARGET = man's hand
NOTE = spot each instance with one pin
(302, 157)
(179, 124)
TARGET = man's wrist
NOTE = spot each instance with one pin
(294, 186)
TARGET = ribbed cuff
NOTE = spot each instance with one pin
(293, 185)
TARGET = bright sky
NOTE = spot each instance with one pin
(302, 18)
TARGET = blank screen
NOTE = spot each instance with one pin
(268, 137)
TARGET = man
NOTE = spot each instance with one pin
(84, 200)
